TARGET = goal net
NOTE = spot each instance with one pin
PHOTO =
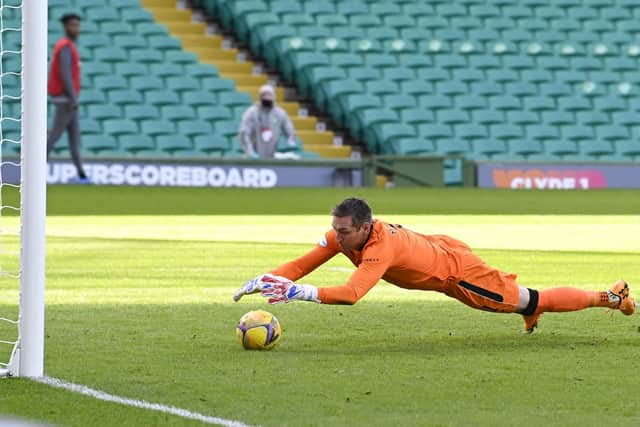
(23, 117)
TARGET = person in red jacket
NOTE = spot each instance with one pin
(410, 260)
(64, 90)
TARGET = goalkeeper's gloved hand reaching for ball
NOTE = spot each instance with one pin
(278, 289)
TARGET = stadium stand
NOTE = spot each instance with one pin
(146, 93)
(507, 80)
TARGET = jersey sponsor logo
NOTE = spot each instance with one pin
(323, 242)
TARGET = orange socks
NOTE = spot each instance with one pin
(570, 299)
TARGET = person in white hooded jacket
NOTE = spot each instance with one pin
(262, 125)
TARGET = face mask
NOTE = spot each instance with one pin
(267, 103)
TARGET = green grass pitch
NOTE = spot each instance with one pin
(139, 285)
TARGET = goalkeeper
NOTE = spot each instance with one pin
(426, 262)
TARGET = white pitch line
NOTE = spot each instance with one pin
(142, 404)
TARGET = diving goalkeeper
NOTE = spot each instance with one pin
(411, 260)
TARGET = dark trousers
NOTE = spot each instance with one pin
(66, 118)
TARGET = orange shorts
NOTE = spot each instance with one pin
(483, 287)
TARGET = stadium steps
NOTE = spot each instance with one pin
(210, 49)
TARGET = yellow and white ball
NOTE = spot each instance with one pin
(258, 330)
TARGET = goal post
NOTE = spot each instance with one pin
(27, 357)
(30, 349)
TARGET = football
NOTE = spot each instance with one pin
(258, 330)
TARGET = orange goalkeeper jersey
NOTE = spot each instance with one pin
(400, 256)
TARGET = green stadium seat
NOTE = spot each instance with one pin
(146, 83)
(101, 14)
(609, 104)
(592, 118)
(181, 57)
(155, 128)
(148, 29)
(192, 128)
(164, 43)
(542, 132)
(90, 41)
(110, 54)
(92, 69)
(415, 61)
(434, 131)
(135, 144)
(561, 147)
(432, 23)
(129, 42)
(539, 103)
(415, 88)
(537, 76)
(628, 148)
(525, 147)
(349, 8)
(197, 98)
(612, 133)
(360, 74)
(218, 85)
(211, 144)
(122, 97)
(399, 102)
(164, 70)
(173, 143)
(451, 88)
(201, 71)
(596, 148)
(213, 113)
(467, 131)
(110, 82)
(127, 69)
(280, 7)
(625, 118)
(365, 118)
(411, 146)
(118, 127)
(112, 28)
(470, 102)
(161, 97)
(227, 128)
(416, 116)
(381, 87)
(146, 56)
(577, 133)
(136, 15)
(249, 21)
(331, 44)
(382, 135)
(234, 99)
(176, 113)
(346, 60)
(182, 84)
(484, 62)
(379, 60)
(366, 21)
(315, 32)
(468, 75)
(558, 117)
(297, 20)
(489, 117)
(435, 102)
(506, 132)
(141, 112)
(97, 144)
(329, 21)
(356, 102)
(92, 96)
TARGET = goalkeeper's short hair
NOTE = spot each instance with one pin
(357, 209)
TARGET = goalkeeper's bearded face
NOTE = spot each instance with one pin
(349, 236)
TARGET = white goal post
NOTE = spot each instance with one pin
(27, 359)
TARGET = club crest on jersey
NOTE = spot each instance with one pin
(323, 242)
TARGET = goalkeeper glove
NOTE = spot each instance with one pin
(277, 289)
(286, 291)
